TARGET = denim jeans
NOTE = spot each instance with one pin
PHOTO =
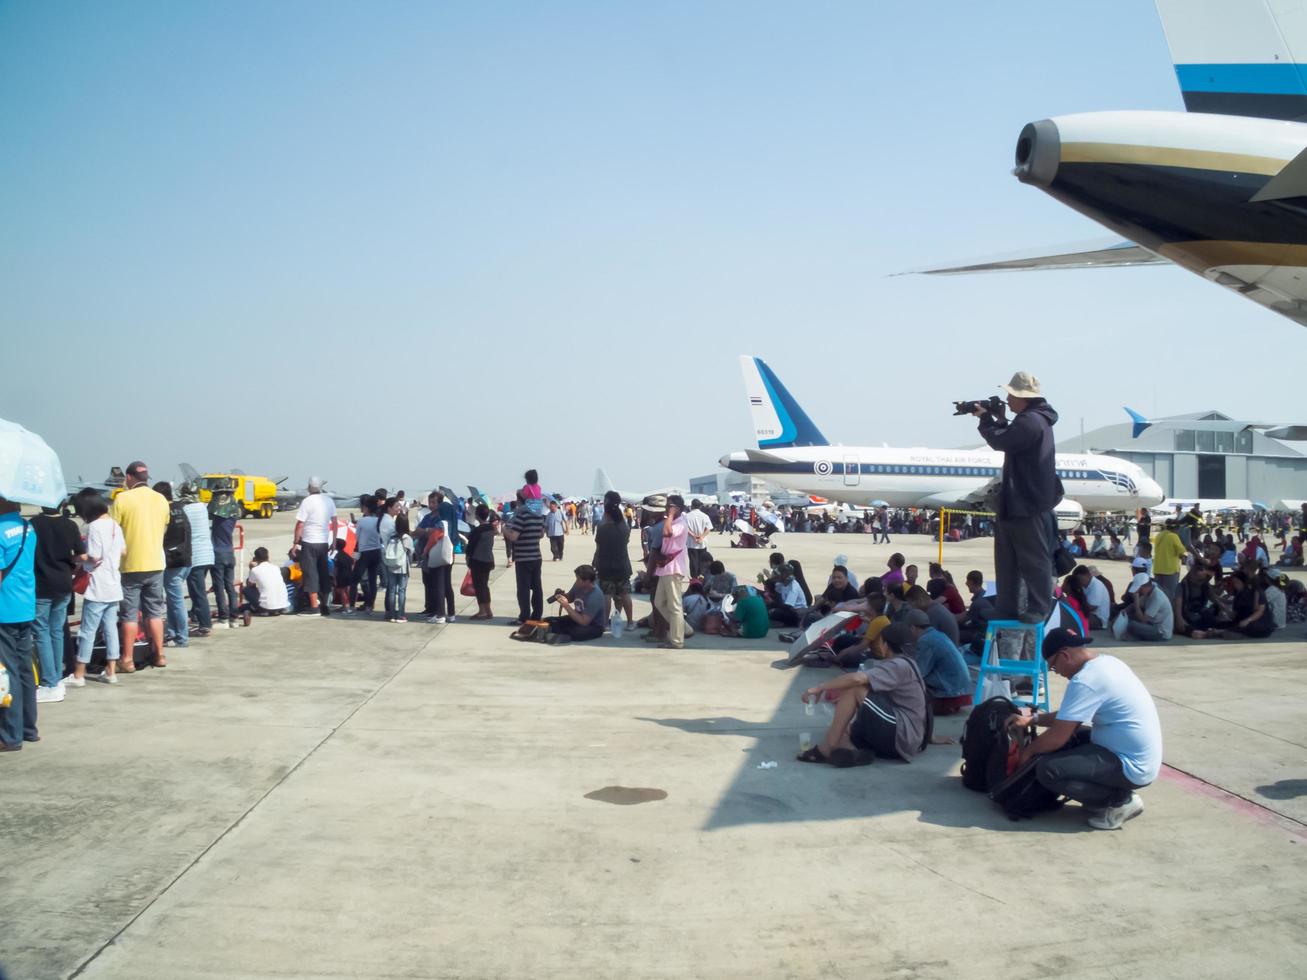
(48, 632)
(1087, 773)
(224, 583)
(396, 593)
(18, 721)
(367, 566)
(175, 627)
(199, 596)
(93, 614)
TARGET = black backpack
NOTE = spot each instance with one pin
(177, 538)
(987, 744)
(1022, 795)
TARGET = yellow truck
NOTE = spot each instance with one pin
(257, 495)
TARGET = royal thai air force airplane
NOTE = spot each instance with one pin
(1220, 190)
(793, 453)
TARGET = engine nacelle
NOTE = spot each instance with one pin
(1070, 515)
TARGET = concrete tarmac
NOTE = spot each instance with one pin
(350, 798)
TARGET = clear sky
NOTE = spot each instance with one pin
(409, 244)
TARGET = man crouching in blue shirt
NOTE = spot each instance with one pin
(1100, 767)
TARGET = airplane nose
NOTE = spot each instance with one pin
(1039, 151)
(1151, 492)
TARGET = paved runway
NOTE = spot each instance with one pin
(348, 798)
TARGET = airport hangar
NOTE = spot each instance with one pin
(1215, 458)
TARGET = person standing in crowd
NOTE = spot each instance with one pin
(58, 547)
(342, 574)
(1102, 766)
(525, 529)
(698, 524)
(672, 572)
(555, 529)
(612, 557)
(17, 611)
(223, 512)
(202, 559)
(177, 558)
(1030, 489)
(315, 529)
(367, 557)
(1169, 551)
(398, 556)
(143, 516)
(438, 562)
(104, 591)
(481, 558)
(1143, 525)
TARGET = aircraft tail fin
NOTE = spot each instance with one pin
(1139, 423)
(477, 495)
(1239, 57)
(778, 421)
(602, 483)
(188, 471)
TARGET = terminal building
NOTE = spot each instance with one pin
(1205, 455)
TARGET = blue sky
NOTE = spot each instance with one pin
(410, 244)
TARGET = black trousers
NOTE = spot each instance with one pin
(437, 593)
(1087, 773)
(481, 578)
(317, 573)
(700, 559)
(530, 590)
(367, 566)
(556, 546)
(1023, 561)
(569, 627)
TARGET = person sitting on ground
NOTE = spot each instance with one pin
(881, 711)
(695, 606)
(910, 574)
(775, 560)
(1255, 550)
(945, 592)
(895, 574)
(1100, 767)
(1229, 553)
(940, 618)
(1250, 614)
(582, 607)
(942, 665)
(1295, 604)
(1274, 595)
(1115, 548)
(843, 560)
(851, 648)
(838, 590)
(1093, 594)
(1150, 617)
(749, 617)
(1292, 557)
(1098, 547)
(1072, 593)
(1198, 611)
(719, 583)
(265, 589)
(787, 604)
(975, 621)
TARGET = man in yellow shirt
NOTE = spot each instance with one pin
(1168, 554)
(143, 515)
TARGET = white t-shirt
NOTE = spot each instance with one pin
(696, 522)
(317, 511)
(1106, 694)
(104, 540)
(1100, 604)
(271, 586)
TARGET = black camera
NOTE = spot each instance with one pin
(554, 597)
(993, 405)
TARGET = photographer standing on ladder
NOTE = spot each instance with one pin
(1025, 529)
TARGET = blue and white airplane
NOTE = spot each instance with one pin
(1217, 190)
(793, 453)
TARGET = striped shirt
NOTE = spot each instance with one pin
(531, 528)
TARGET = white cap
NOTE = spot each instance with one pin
(315, 483)
(1138, 582)
(842, 560)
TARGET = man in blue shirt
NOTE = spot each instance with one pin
(17, 611)
(941, 663)
(1101, 766)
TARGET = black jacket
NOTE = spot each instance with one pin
(1030, 482)
(177, 537)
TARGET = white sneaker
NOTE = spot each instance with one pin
(45, 695)
(438, 620)
(231, 624)
(450, 620)
(103, 678)
(1114, 817)
(75, 681)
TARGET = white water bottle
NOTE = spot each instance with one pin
(618, 627)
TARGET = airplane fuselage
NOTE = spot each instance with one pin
(935, 477)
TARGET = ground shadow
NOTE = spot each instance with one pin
(1284, 789)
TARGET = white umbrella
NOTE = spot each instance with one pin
(29, 469)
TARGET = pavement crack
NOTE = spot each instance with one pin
(939, 874)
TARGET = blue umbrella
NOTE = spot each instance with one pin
(29, 469)
(1257, 505)
(879, 503)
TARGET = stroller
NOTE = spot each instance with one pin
(751, 538)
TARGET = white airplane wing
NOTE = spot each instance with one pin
(1099, 254)
(977, 499)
